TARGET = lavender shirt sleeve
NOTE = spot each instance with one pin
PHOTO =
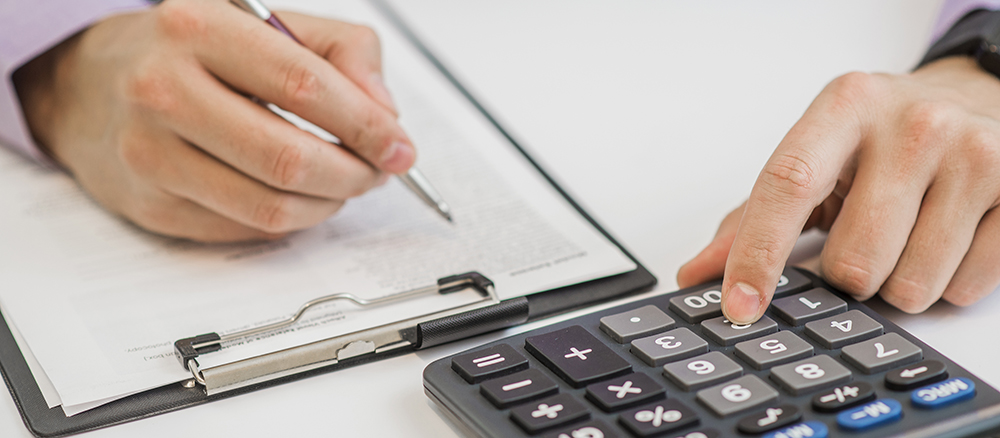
(27, 29)
(953, 10)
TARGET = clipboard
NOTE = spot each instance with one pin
(354, 349)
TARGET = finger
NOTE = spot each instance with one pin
(710, 263)
(979, 273)
(800, 175)
(187, 172)
(354, 50)
(172, 216)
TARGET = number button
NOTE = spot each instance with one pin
(772, 350)
(845, 328)
(701, 371)
(790, 282)
(698, 306)
(882, 353)
(516, 388)
(626, 326)
(814, 304)
(738, 395)
(810, 374)
(491, 362)
(727, 334)
(625, 391)
(666, 347)
(576, 356)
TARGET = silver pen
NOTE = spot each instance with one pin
(413, 179)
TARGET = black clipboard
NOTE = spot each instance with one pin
(45, 422)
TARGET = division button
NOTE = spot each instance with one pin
(882, 353)
(810, 429)
(549, 412)
(590, 429)
(626, 326)
(810, 374)
(519, 387)
(915, 375)
(491, 362)
(701, 371)
(738, 395)
(843, 397)
(846, 328)
(657, 418)
(695, 307)
(790, 282)
(727, 334)
(771, 350)
(944, 393)
(625, 391)
(807, 306)
(576, 356)
(870, 415)
(769, 419)
(666, 347)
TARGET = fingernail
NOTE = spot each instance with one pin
(741, 304)
(380, 91)
(397, 158)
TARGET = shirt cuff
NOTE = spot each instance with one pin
(954, 10)
(29, 29)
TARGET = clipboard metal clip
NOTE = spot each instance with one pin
(327, 351)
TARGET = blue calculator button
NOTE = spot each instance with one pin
(943, 393)
(870, 415)
(811, 429)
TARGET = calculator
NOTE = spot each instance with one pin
(817, 364)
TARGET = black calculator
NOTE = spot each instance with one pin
(818, 364)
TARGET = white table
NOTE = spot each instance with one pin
(656, 115)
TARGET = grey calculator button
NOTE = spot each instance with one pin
(738, 395)
(790, 282)
(697, 306)
(669, 346)
(701, 371)
(810, 374)
(807, 306)
(882, 353)
(842, 329)
(726, 333)
(767, 351)
(626, 326)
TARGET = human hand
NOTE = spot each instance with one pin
(149, 112)
(904, 172)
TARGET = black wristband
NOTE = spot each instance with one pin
(976, 35)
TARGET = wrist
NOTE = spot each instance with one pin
(36, 85)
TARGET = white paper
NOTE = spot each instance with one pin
(100, 302)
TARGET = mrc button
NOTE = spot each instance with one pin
(944, 393)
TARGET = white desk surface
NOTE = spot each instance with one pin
(657, 116)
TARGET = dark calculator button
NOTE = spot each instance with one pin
(549, 412)
(882, 353)
(698, 306)
(576, 355)
(590, 429)
(625, 391)
(842, 329)
(870, 415)
(518, 387)
(727, 334)
(843, 397)
(808, 306)
(928, 371)
(657, 418)
(698, 433)
(491, 362)
(771, 350)
(626, 326)
(666, 347)
(769, 419)
(790, 282)
(810, 429)
(944, 393)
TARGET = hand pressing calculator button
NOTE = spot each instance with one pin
(576, 355)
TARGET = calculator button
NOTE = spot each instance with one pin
(882, 353)
(810, 374)
(548, 413)
(870, 415)
(769, 419)
(842, 329)
(518, 387)
(590, 429)
(915, 375)
(625, 391)
(790, 282)
(944, 393)
(843, 397)
(576, 355)
(666, 347)
(491, 362)
(726, 333)
(698, 433)
(624, 327)
(701, 371)
(738, 395)
(807, 306)
(658, 418)
(811, 429)
(698, 306)
(768, 351)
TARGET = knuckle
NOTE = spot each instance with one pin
(925, 126)
(273, 214)
(980, 153)
(137, 155)
(372, 133)
(766, 252)
(792, 176)
(364, 36)
(300, 84)
(852, 275)
(152, 89)
(181, 20)
(290, 167)
(852, 89)
(908, 295)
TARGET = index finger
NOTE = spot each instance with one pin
(798, 177)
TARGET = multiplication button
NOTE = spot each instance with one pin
(882, 353)
(807, 306)
(491, 362)
(626, 326)
(846, 328)
(517, 388)
(625, 391)
(576, 355)
(700, 305)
